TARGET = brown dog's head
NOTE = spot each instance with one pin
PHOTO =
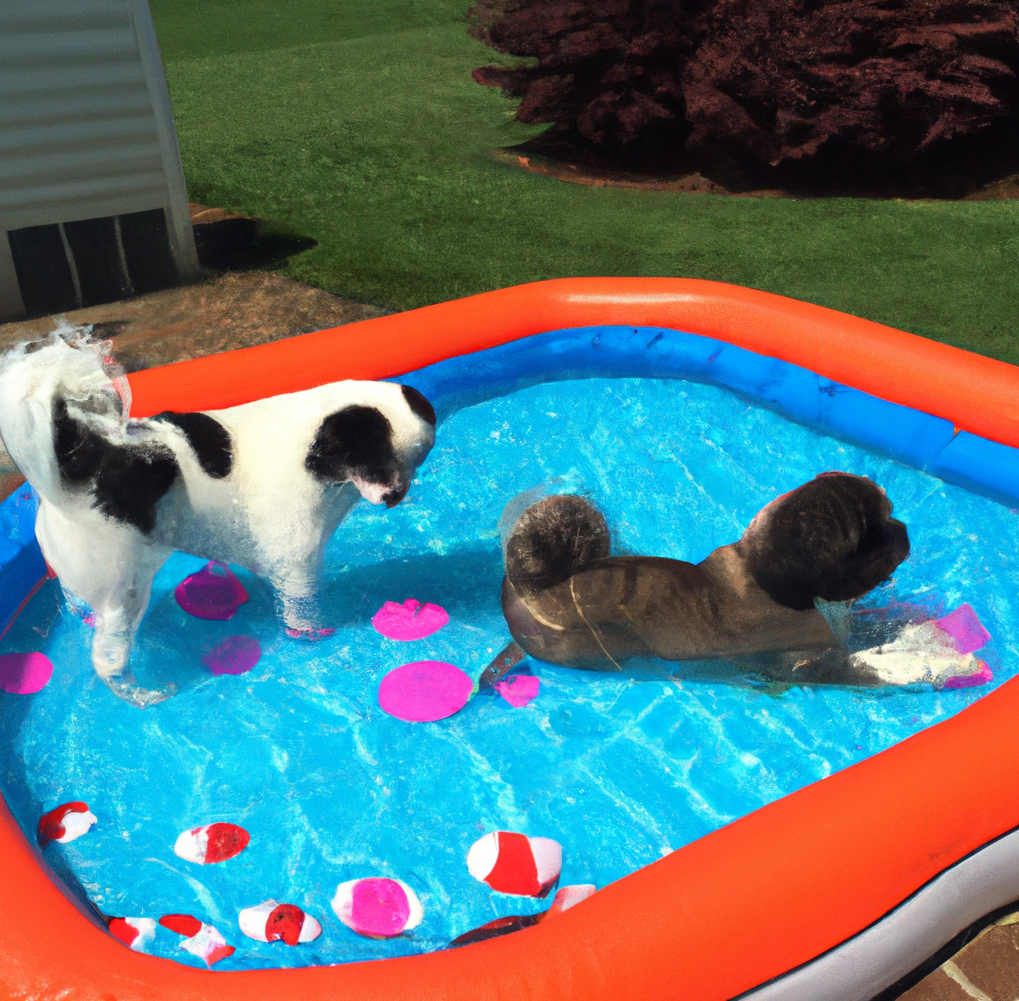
(833, 538)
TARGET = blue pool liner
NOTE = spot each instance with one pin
(340, 683)
(911, 436)
(969, 459)
(22, 565)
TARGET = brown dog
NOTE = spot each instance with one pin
(748, 607)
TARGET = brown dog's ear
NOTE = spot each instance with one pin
(883, 545)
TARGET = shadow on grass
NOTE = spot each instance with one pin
(242, 244)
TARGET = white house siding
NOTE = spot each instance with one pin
(86, 130)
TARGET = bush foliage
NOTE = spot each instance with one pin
(763, 84)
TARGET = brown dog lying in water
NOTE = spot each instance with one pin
(748, 608)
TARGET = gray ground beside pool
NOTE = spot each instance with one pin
(238, 309)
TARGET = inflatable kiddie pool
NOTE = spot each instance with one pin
(834, 891)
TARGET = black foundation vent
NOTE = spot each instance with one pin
(69, 265)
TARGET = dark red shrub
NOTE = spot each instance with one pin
(609, 72)
(869, 81)
(779, 87)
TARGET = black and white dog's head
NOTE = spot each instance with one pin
(376, 443)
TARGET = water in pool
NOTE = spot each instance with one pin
(619, 770)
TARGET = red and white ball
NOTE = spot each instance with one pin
(134, 932)
(273, 922)
(200, 939)
(377, 907)
(514, 863)
(567, 896)
(211, 843)
(65, 823)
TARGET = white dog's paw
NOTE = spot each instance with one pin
(301, 618)
(110, 653)
(125, 687)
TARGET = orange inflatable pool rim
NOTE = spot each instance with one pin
(744, 905)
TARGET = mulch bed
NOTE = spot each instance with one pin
(584, 170)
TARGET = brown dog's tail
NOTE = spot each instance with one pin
(552, 540)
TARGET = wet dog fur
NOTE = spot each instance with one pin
(569, 602)
(263, 485)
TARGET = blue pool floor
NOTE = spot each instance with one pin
(619, 769)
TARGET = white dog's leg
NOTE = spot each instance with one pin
(297, 547)
(299, 592)
(110, 567)
(116, 624)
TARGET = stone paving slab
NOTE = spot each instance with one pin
(987, 969)
(939, 986)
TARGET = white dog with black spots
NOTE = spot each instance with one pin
(263, 485)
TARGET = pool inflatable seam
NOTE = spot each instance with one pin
(884, 952)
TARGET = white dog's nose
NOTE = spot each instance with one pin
(374, 493)
(394, 496)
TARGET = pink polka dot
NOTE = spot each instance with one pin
(212, 593)
(424, 691)
(966, 630)
(379, 907)
(24, 673)
(981, 677)
(409, 621)
(235, 655)
(519, 689)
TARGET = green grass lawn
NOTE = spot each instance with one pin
(357, 123)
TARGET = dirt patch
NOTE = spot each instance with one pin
(585, 171)
(233, 310)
